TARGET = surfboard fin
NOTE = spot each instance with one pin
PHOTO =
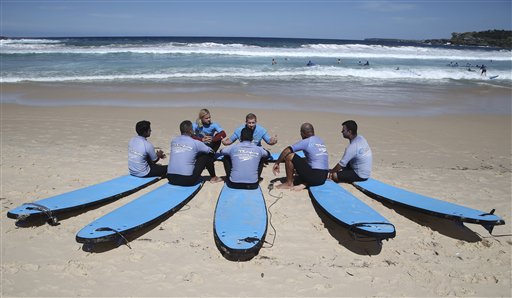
(250, 239)
(488, 227)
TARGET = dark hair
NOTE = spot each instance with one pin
(351, 125)
(246, 134)
(142, 127)
(250, 116)
(185, 127)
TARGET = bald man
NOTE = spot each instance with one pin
(313, 169)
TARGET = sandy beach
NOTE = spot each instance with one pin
(464, 159)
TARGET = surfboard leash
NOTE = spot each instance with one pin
(121, 237)
(278, 197)
(52, 220)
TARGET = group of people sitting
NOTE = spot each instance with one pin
(194, 150)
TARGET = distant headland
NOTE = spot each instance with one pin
(489, 38)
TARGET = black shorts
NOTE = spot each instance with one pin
(182, 180)
(348, 175)
(311, 177)
(236, 185)
(156, 170)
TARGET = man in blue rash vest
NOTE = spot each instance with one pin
(313, 169)
(242, 162)
(259, 132)
(188, 157)
(356, 163)
(211, 134)
(142, 157)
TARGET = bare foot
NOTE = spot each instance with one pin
(215, 179)
(284, 186)
(299, 187)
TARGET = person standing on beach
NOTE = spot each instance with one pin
(142, 157)
(211, 134)
(259, 132)
(313, 169)
(188, 157)
(243, 162)
(356, 163)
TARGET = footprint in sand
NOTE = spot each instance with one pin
(30, 267)
(136, 257)
(76, 268)
(10, 268)
(193, 277)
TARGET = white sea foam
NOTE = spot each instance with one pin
(26, 41)
(351, 51)
(328, 73)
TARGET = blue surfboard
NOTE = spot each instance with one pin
(137, 214)
(351, 212)
(386, 192)
(273, 156)
(240, 222)
(81, 198)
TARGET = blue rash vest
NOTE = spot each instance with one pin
(245, 159)
(359, 156)
(184, 151)
(139, 152)
(315, 151)
(258, 134)
(206, 130)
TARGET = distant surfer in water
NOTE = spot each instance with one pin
(211, 134)
(483, 70)
(310, 63)
(274, 62)
(356, 163)
(313, 169)
(142, 157)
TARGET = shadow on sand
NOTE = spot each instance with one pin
(450, 228)
(124, 239)
(359, 244)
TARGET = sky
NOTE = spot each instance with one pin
(332, 19)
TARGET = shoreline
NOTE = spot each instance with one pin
(397, 101)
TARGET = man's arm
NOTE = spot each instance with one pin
(281, 158)
(227, 141)
(268, 139)
(273, 140)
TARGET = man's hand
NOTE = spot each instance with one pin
(160, 154)
(273, 140)
(226, 141)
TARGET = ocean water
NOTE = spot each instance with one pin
(395, 73)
